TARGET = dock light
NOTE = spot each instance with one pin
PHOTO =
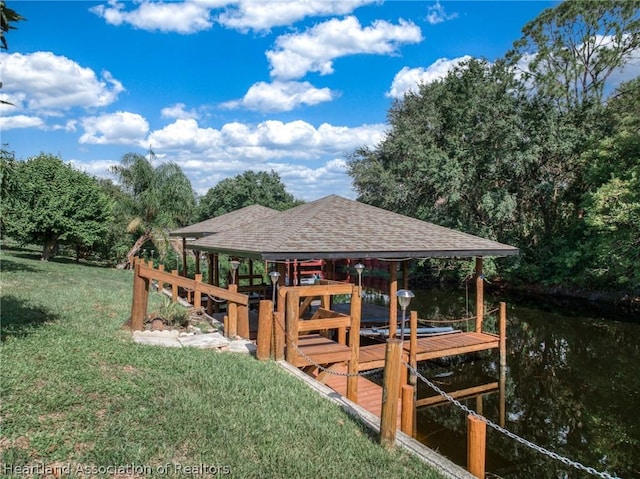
(275, 276)
(234, 266)
(359, 268)
(404, 298)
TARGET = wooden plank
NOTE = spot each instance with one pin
(329, 323)
(459, 394)
(323, 313)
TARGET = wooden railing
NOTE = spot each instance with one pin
(144, 273)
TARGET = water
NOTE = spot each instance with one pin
(572, 386)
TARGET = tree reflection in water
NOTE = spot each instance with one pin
(572, 386)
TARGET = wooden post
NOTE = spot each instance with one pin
(265, 328)
(476, 446)
(197, 294)
(140, 297)
(405, 274)
(502, 392)
(184, 256)
(390, 392)
(479, 295)
(210, 281)
(354, 342)
(408, 408)
(243, 321)
(225, 325)
(232, 311)
(393, 299)
(278, 336)
(174, 287)
(196, 253)
(503, 334)
(160, 282)
(216, 277)
(413, 347)
(291, 324)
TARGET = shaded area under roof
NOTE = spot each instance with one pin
(338, 228)
(234, 219)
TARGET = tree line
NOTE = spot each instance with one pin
(534, 150)
(46, 201)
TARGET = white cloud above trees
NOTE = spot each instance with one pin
(408, 79)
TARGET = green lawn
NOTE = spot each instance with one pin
(76, 390)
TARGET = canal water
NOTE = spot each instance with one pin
(571, 386)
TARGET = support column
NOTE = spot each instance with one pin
(184, 256)
(197, 257)
(405, 274)
(393, 299)
(479, 295)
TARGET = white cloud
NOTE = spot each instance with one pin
(121, 128)
(436, 14)
(266, 141)
(20, 121)
(48, 83)
(178, 111)
(180, 17)
(408, 79)
(262, 15)
(281, 96)
(316, 48)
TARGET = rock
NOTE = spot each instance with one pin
(242, 346)
(205, 341)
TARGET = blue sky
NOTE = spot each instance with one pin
(221, 87)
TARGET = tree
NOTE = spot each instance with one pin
(248, 188)
(612, 205)
(7, 17)
(161, 198)
(570, 51)
(49, 202)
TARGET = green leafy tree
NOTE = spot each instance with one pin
(51, 203)
(612, 205)
(161, 198)
(570, 51)
(248, 188)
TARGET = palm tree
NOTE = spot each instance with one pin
(161, 199)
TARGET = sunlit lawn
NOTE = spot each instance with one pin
(76, 390)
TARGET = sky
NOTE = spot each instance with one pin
(225, 86)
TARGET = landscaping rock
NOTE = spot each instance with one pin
(167, 338)
(205, 341)
(242, 346)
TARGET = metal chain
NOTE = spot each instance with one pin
(508, 433)
(469, 318)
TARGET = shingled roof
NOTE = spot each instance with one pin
(338, 228)
(234, 219)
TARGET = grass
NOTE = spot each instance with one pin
(76, 390)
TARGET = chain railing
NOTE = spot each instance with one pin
(506, 432)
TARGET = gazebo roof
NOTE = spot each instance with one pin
(338, 228)
(234, 219)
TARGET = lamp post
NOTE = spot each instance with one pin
(234, 267)
(274, 275)
(359, 268)
(404, 298)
